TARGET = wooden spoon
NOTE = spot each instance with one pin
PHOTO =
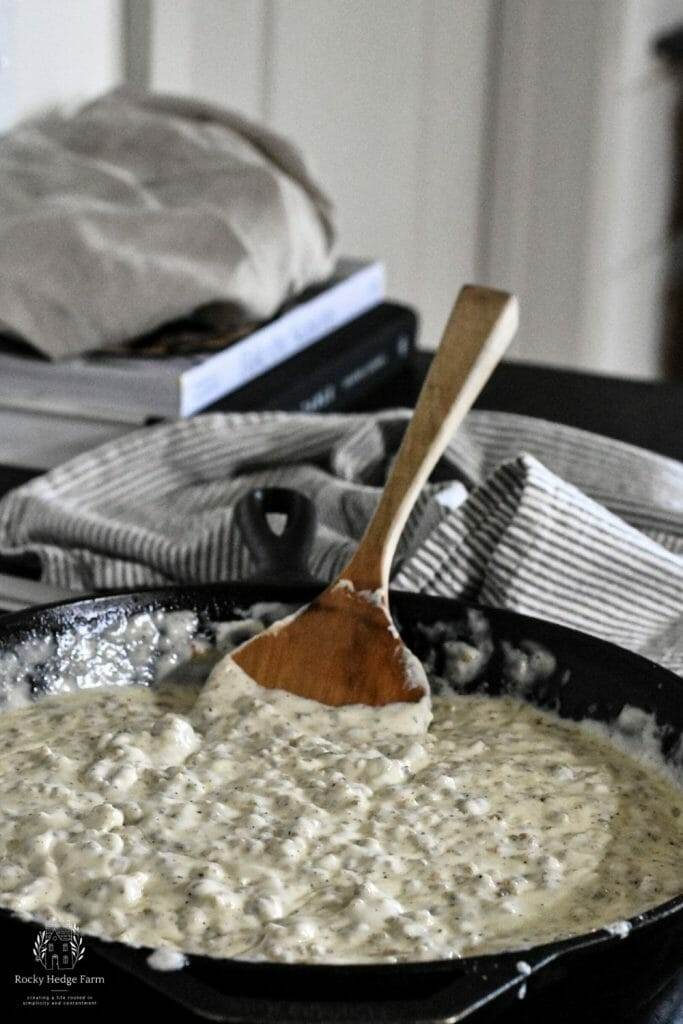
(343, 648)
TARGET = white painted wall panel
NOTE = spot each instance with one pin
(643, 162)
(630, 193)
(450, 203)
(582, 180)
(631, 340)
(389, 99)
(58, 52)
(172, 55)
(346, 84)
(539, 214)
(211, 49)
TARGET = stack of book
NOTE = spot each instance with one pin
(323, 352)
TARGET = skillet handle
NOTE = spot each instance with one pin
(278, 557)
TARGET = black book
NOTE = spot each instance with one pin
(337, 372)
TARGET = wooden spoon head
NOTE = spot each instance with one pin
(341, 649)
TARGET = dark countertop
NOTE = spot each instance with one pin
(645, 413)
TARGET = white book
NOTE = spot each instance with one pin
(134, 389)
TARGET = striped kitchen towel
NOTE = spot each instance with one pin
(522, 514)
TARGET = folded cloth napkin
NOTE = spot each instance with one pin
(521, 514)
(139, 209)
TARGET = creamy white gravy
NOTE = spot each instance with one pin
(259, 825)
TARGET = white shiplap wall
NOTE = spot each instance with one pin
(583, 165)
(525, 143)
(389, 101)
(633, 192)
(56, 51)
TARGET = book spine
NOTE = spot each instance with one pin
(343, 380)
(359, 379)
(289, 334)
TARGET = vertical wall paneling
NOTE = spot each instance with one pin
(543, 151)
(644, 116)
(634, 316)
(347, 87)
(632, 195)
(511, 150)
(211, 49)
(171, 59)
(389, 101)
(582, 176)
(7, 86)
(58, 52)
(454, 117)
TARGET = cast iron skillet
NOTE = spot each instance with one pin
(592, 679)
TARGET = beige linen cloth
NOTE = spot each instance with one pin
(139, 209)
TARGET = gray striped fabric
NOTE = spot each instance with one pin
(522, 514)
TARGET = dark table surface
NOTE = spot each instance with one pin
(644, 413)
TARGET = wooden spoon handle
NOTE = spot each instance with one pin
(480, 328)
